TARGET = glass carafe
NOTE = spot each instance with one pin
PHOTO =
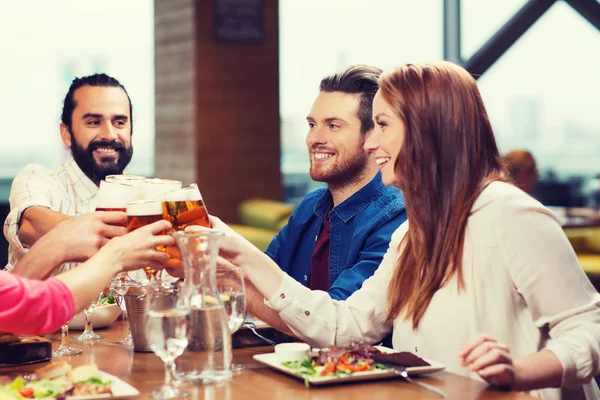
(207, 358)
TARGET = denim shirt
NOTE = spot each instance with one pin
(361, 228)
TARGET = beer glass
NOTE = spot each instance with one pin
(141, 213)
(124, 178)
(183, 207)
(114, 195)
(155, 188)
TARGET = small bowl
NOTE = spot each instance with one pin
(102, 316)
(291, 352)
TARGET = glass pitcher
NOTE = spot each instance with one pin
(207, 358)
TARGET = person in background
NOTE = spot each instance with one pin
(522, 169)
(40, 307)
(480, 278)
(96, 124)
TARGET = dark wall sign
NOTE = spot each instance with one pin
(239, 20)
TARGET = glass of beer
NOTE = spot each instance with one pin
(141, 213)
(183, 207)
(155, 188)
(114, 195)
(124, 178)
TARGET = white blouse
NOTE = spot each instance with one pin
(523, 286)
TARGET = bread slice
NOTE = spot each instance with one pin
(56, 369)
(83, 372)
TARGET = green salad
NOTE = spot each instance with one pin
(106, 300)
(335, 362)
(42, 389)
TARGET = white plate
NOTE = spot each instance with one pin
(271, 361)
(120, 389)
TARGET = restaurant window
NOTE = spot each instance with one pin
(44, 47)
(318, 38)
(542, 95)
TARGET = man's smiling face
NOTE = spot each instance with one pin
(100, 132)
(334, 140)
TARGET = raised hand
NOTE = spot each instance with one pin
(81, 237)
(138, 249)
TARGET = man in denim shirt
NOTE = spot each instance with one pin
(337, 236)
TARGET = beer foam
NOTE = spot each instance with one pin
(124, 177)
(156, 188)
(188, 193)
(116, 194)
(144, 207)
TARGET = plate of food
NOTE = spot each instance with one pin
(60, 381)
(357, 362)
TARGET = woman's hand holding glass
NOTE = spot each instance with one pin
(258, 267)
(80, 237)
(138, 248)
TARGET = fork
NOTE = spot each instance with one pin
(402, 372)
(252, 326)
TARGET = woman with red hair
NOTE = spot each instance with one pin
(481, 277)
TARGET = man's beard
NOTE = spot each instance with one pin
(341, 172)
(85, 158)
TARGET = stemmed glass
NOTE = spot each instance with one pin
(89, 334)
(120, 285)
(166, 333)
(183, 207)
(230, 285)
(65, 349)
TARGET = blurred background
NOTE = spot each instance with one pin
(221, 88)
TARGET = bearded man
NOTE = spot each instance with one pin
(96, 124)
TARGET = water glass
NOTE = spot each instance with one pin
(166, 332)
(230, 285)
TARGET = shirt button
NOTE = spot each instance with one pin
(307, 313)
(282, 295)
(305, 278)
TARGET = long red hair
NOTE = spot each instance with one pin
(448, 156)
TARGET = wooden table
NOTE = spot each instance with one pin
(145, 372)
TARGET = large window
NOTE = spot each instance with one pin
(543, 94)
(44, 46)
(320, 37)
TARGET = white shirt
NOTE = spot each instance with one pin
(523, 286)
(66, 190)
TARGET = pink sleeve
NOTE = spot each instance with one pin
(33, 307)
